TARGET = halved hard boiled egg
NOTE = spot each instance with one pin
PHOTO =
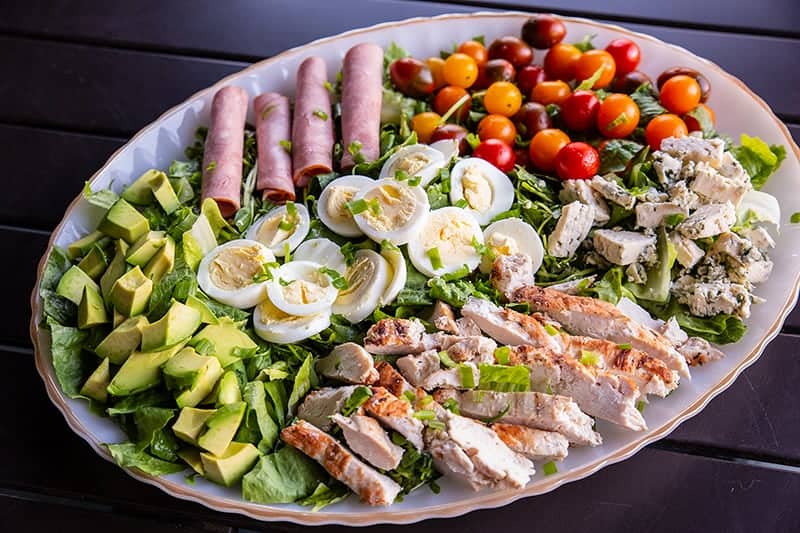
(323, 251)
(273, 325)
(283, 228)
(486, 190)
(301, 288)
(448, 148)
(228, 272)
(332, 205)
(511, 236)
(399, 272)
(415, 160)
(367, 279)
(390, 210)
(446, 242)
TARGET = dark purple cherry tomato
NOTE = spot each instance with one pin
(499, 70)
(513, 50)
(543, 31)
(531, 118)
(497, 153)
(630, 81)
(579, 110)
(411, 77)
(528, 76)
(705, 85)
(452, 131)
(577, 161)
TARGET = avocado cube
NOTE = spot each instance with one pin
(123, 221)
(122, 341)
(162, 262)
(94, 263)
(231, 466)
(72, 283)
(221, 428)
(145, 248)
(91, 310)
(204, 384)
(228, 389)
(131, 292)
(164, 193)
(225, 337)
(191, 456)
(141, 371)
(117, 317)
(207, 316)
(191, 423)
(140, 192)
(95, 386)
(185, 369)
(80, 247)
(176, 325)
(116, 268)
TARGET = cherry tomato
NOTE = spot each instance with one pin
(455, 132)
(513, 50)
(460, 70)
(424, 124)
(499, 70)
(693, 125)
(523, 159)
(590, 62)
(577, 161)
(543, 31)
(705, 85)
(544, 148)
(528, 76)
(447, 97)
(502, 98)
(618, 116)
(497, 153)
(532, 117)
(680, 94)
(436, 64)
(663, 126)
(626, 54)
(475, 50)
(579, 110)
(630, 81)
(559, 63)
(411, 77)
(551, 92)
(497, 127)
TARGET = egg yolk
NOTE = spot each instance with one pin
(270, 232)
(271, 314)
(502, 244)
(235, 268)
(477, 189)
(453, 239)
(302, 292)
(397, 206)
(337, 202)
(412, 163)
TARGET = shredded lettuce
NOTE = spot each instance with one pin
(104, 198)
(610, 288)
(256, 399)
(303, 381)
(325, 495)
(56, 306)
(128, 455)
(759, 159)
(282, 477)
(415, 468)
(70, 363)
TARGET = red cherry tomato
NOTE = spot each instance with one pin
(528, 77)
(577, 160)
(497, 153)
(411, 77)
(626, 54)
(579, 110)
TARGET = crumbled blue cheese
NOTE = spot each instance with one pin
(695, 149)
(612, 191)
(680, 194)
(709, 298)
(623, 247)
(760, 238)
(708, 220)
(714, 187)
(652, 214)
(637, 273)
(668, 168)
(580, 190)
(571, 229)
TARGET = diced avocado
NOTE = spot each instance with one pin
(162, 262)
(191, 423)
(207, 316)
(95, 386)
(192, 374)
(221, 428)
(72, 283)
(164, 193)
(91, 310)
(145, 248)
(225, 337)
(228, 389)
(178, 324)
(122, 341)
(131, 292)
(118, 318)
(140, 192)
(227, 469)
(94, 263)
(123, 221)
(80, 247)
(203, 386)
(141, 371)
(191, 456)
(116, 268)
(182, 188)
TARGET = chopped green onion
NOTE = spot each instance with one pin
(552, 331)
(266, 272)
(640, 405)
(284, 283)
(211, 166)
(451, 405)
(374, 207)
(483, 250)
(426, 400)
(436, 424)
(436, 259)
(467, 377)
(336, 279)
(589, 358)
(589, 82)
(319, 113)
(674, 219)
(291, 209)
(462, 272)
(520, 307)
(267, 111)
(286, 145)
(453, 108)
(795, 218)
(445, 359)
(401, 175)
(622, 118)
(463, 204)
(389, 246)
(287, 253)
(416, 180)
(548, 469)
(473, 140)
(502, 354)
(354, 149)
(548, 389)
(329, 87)
(504, 378)
(624, 346)
(425, 414)
(356, 400)
(498, 416)
(357, 206)
(410, 396)
(285, 225)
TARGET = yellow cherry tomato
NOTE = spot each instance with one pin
(502, 98)
(424, 124)
(460, 70)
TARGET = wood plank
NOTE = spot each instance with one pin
(27, 248)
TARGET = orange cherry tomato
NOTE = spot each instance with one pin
(497, 127)
(424, 124)
(559, 63)
(502, 98)
(447, 97)
(663, 126)
(460, 70)
(475, 50)
(680, 94)
(436, 64)
(692, 122)
(551, 92)
(618, 116)
(545, 146)
(590, 62)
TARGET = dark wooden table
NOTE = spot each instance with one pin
(80, 77)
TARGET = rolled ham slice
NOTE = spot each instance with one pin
(222, 159)
(312, 128)
(273, 125)
(362, 92)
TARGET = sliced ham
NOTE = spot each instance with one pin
(362, 89)
(273, 125)
(312, 128)
(224, 150)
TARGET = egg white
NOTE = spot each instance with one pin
(524, 237)
(301, 272)
(341, 225)
(450, 230)
(399, 274)
(273, 325)
(395, 235)
(323, 251)
(502, 190)
(367, 279)
(448, 148)
(244, 297)
(293, 240)
(436, 160)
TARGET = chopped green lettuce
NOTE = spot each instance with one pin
(128, 455)
(415, 468)
(504, 378)
(149, 421)
(325, 495)
(610, 288)
(303, 381)
(759, 159)
(659, 277)
(149, 398)
(282, 477)
(647, 100)
(256, 399)
(616, 154)
(56, 306)
(70, 364)
(452, 292)
(104, 198)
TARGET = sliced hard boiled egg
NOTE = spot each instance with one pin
(367, 279)
(759, 205)
(486, 190)
(446, 242)
(511, 236)
(323, 251)
(415, 160)
(273, 325)
(448, 147)
(332, 204)
(399, 272)
(283, 228)
(227, 273)
(301, 288)
(390, 210)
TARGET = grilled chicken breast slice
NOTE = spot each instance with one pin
(391, 380)
(320, 405)
(507, 326)
(699, 351)
(535, 444)
(395, 414)
(395, 336)
(443, 318)
(350, 363)
(416, 368)
(366, 437)
(371, 486)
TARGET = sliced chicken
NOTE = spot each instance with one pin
(366, 437)
(371, 486)
(699, 351)
(391, 380)
(416, 368)
(475, 349)
(395, 414)
(451, 377)
(443, 318)
(535, 444)
(571, 287)
(510, 272)
(549, 412)
(395, 336)
(320, 405)
(507, 326)
(350, 363)
(467, 328)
